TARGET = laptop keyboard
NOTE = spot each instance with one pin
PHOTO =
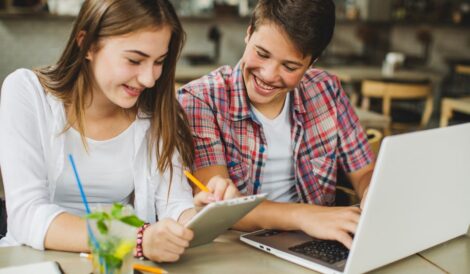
(327, 251)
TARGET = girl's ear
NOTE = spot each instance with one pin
(80, 36)
(79, 39)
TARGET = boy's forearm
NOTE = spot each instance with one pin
(271, 215)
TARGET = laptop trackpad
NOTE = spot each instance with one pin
(329, 253)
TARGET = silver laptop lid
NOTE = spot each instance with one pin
(419, 197)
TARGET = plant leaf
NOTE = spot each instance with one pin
(106, 216)
(95, 215)
(112, 262)
(102, 227)
(118, 206)
(132, 220)
(116, 211)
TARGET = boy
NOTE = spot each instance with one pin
(273, 124)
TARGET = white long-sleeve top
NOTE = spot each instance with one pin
(32, 158)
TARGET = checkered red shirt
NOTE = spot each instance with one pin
(324, 129)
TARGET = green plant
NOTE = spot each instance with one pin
(102, 217)
(111, 250)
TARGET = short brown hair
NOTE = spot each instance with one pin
(308, 23)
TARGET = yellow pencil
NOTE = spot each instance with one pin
(150, 269)
(86, 255)
(195, 181)
(140, 267)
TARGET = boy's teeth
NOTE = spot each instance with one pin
(263, 85)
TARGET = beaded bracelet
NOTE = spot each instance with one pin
(139, 252)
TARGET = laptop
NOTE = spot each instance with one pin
(419, 197)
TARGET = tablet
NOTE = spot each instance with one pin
(215, 218)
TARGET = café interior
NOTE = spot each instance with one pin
(404, 64)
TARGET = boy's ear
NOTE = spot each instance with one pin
(248, 34)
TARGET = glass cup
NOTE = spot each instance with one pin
(112, 252)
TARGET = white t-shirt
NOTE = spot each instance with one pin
(278, 177)
(107, 165)
(33, 156)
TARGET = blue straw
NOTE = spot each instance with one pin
(84, 200)
(79, 183)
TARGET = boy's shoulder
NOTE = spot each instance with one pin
(316, 81)
(318, 75)
(216, 85)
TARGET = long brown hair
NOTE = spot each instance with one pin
(71, 79)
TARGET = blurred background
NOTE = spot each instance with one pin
(419, 49)
(405, 64)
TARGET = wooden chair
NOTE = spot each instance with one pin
(462, 69)
(396, 90)
(374, 137)
(451, 105)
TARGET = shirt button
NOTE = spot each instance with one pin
(261, 149)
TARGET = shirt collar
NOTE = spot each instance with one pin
(297, 98)
(240, 109)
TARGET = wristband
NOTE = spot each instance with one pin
(139, 251)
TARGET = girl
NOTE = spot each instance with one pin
(109, 101)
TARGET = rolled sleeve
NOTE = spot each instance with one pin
(354, 149)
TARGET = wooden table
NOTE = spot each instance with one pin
(449, 105)
(356, 74)
(228, 255)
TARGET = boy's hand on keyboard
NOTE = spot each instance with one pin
(329, 223)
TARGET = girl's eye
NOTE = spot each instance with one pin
(160, 62)
(134, 62)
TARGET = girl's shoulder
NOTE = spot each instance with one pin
(21, 82)
(21, 74)
(22, 88)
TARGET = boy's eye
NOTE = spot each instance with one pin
(290, 68)
(262, 55)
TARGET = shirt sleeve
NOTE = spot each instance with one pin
(354, 150)
(22, 160)
(209, 148)
(173, 198)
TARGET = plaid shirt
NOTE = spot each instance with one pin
(324, 129)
